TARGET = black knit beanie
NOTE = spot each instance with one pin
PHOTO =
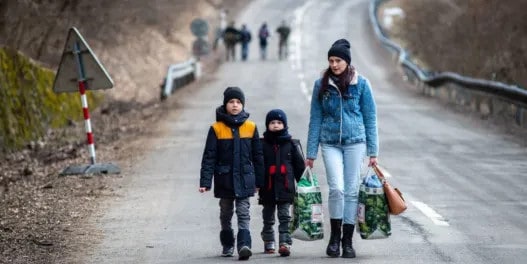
(341, 49)
(276, 114)
(233, 92)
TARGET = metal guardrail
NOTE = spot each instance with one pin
(179, 75)
(436, 79)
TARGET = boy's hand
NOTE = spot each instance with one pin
(203, 189)
(256, 190)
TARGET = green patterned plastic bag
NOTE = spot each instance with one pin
(307, 223)
(373, 215)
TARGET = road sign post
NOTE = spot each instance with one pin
(200, 29)
(80, 70)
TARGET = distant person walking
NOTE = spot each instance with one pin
(233, 161)
(220, 29)
(343, 121)
(283, 32)
(284, 165)
(230, 37)
(245, 39)
(263, 35)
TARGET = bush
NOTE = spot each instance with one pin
(28, 105)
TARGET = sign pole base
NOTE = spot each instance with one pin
(100, 168)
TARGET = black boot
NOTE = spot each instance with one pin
(333, 249)
(347, 243)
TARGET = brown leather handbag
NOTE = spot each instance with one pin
(395, 199)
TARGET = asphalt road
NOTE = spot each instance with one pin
(464, 183)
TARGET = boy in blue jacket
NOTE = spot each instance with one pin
(233, 160)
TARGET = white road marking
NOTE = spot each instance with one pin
(430, 213)
(305, 91)
(296, 41)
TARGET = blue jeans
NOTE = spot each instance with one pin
(245, 50)
(343, 165)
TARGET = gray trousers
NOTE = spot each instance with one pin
(242, 212)
(284, 217)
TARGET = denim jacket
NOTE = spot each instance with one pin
(337, 119)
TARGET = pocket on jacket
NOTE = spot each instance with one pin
(222, 170)
(223, 178)
(248, 175)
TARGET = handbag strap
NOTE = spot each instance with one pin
(379, 173)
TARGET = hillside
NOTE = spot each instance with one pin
(478, 38)
(42, 215)
(135, 40)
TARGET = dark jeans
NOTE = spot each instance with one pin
(282, 49)
(284, 217)
(230, 52)
(245, 50)
(227, 211)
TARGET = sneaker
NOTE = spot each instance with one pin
(269, 247)
(244, 253)
(227, 251)
(284, 250)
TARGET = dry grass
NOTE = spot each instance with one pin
(478, 38)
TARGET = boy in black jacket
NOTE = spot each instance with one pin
(233, 158)
(284, 165)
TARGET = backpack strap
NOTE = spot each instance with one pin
(296, 144)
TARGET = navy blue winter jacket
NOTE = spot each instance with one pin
(233, 157)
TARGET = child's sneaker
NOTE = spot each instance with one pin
(244, 253)
(269, 247)
(227, 251)
(284, 250)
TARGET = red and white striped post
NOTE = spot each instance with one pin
(80, 70)
(87, 124)
(84, 100)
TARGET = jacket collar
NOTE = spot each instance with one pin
(353, 81)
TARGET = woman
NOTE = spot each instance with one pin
(343, 121)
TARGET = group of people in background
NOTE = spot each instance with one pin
(237, 163)
(232, 37)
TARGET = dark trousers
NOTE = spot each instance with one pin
(284, 217)
(245, 50)
(242, 212)
(230, 51)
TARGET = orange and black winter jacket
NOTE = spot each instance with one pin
(232, 159)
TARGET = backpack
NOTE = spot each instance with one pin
(263, 34)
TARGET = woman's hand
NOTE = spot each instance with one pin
(203, 189)
(373, 161)
(309, 162)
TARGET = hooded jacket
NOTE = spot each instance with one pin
(232, 158)
(284, 165)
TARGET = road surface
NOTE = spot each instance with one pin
(465, 184)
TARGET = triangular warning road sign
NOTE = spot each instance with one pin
(89, 67)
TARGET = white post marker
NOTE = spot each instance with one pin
(80, 70)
